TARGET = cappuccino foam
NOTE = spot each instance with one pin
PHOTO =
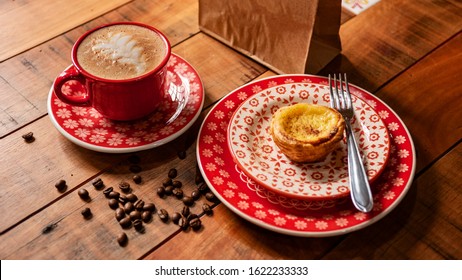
(121, 52)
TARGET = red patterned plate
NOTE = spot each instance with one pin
(257, 155)
(292, 216)
(87, 128)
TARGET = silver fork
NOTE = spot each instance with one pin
(359, 183)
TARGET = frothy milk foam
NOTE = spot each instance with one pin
(121, 52)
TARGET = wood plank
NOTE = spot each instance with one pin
(52, 19)
(29, 75)
(427, 225)
(375, 52)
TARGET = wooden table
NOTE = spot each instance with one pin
(407, 53)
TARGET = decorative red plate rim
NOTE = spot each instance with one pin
(225, 181)
(145, 133)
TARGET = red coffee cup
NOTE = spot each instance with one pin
(122, 67)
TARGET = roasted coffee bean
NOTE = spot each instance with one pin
(135, 215)
(192, 216)
(98, 184)
(203, 188)
(172, 173)
(210, 197)
(132, 197)
(107, 191)
(185, 211)
(196, 194)
(182, 154)
(114, 195)
(207, 209)
(138, 225)
(176, 217)
(119, 214)
(139, 204)
(163, 215)
(124, 187)
(122, 239)
(149, 207)
(125, 222)
(160, 191)
(61, 185)
(83, 193)
(177, 184)
(28, 137)
(188, 201)
(146, 216)
(167, 182)
(168, 190)
(183, 223)
(113, 203)
(128, 207)
(195, 223)
(123, 199)
(135, 168)
(137, 179)
(86, 213)
(178, 193)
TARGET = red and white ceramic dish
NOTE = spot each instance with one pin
(87, 128)
(255, 152)
(293, 216)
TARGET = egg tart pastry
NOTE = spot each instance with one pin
(307, 132)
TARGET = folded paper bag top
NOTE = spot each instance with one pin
(289, 37)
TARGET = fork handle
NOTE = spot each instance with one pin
(359, 182)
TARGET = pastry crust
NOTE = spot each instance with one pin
(307, 132)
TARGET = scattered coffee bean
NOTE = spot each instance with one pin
(168, 190)
(125, 222)
(98, 184)
(119, 214)
(210, 197)
(83, 193)
(177, 184)
(191, 217)
(61, 185)
(178, 193)
(195, 223)
(207, 209)
(139, 205)
(146, 216)
(137, 179)
(176, 217)
(160, 191)
(128, 207)
(188, 201)
(107, 191)
(182, 154)
(172, 173)
(185, 211)
(203, 188)
(113, 203)
(149, 207)
(122, 239)
(135, 168)
(138, 225)
(135, 215)
(86, 213)
(167, 182)
(183, 223)
(124, 187)
(196, 194)
(132, 197)
(114, 195)
(163, 215)
(123, 199)
(28, 137)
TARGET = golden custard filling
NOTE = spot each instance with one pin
(307, 132)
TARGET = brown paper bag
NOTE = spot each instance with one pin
(299, 36)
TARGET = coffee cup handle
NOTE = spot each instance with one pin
(71, 74)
